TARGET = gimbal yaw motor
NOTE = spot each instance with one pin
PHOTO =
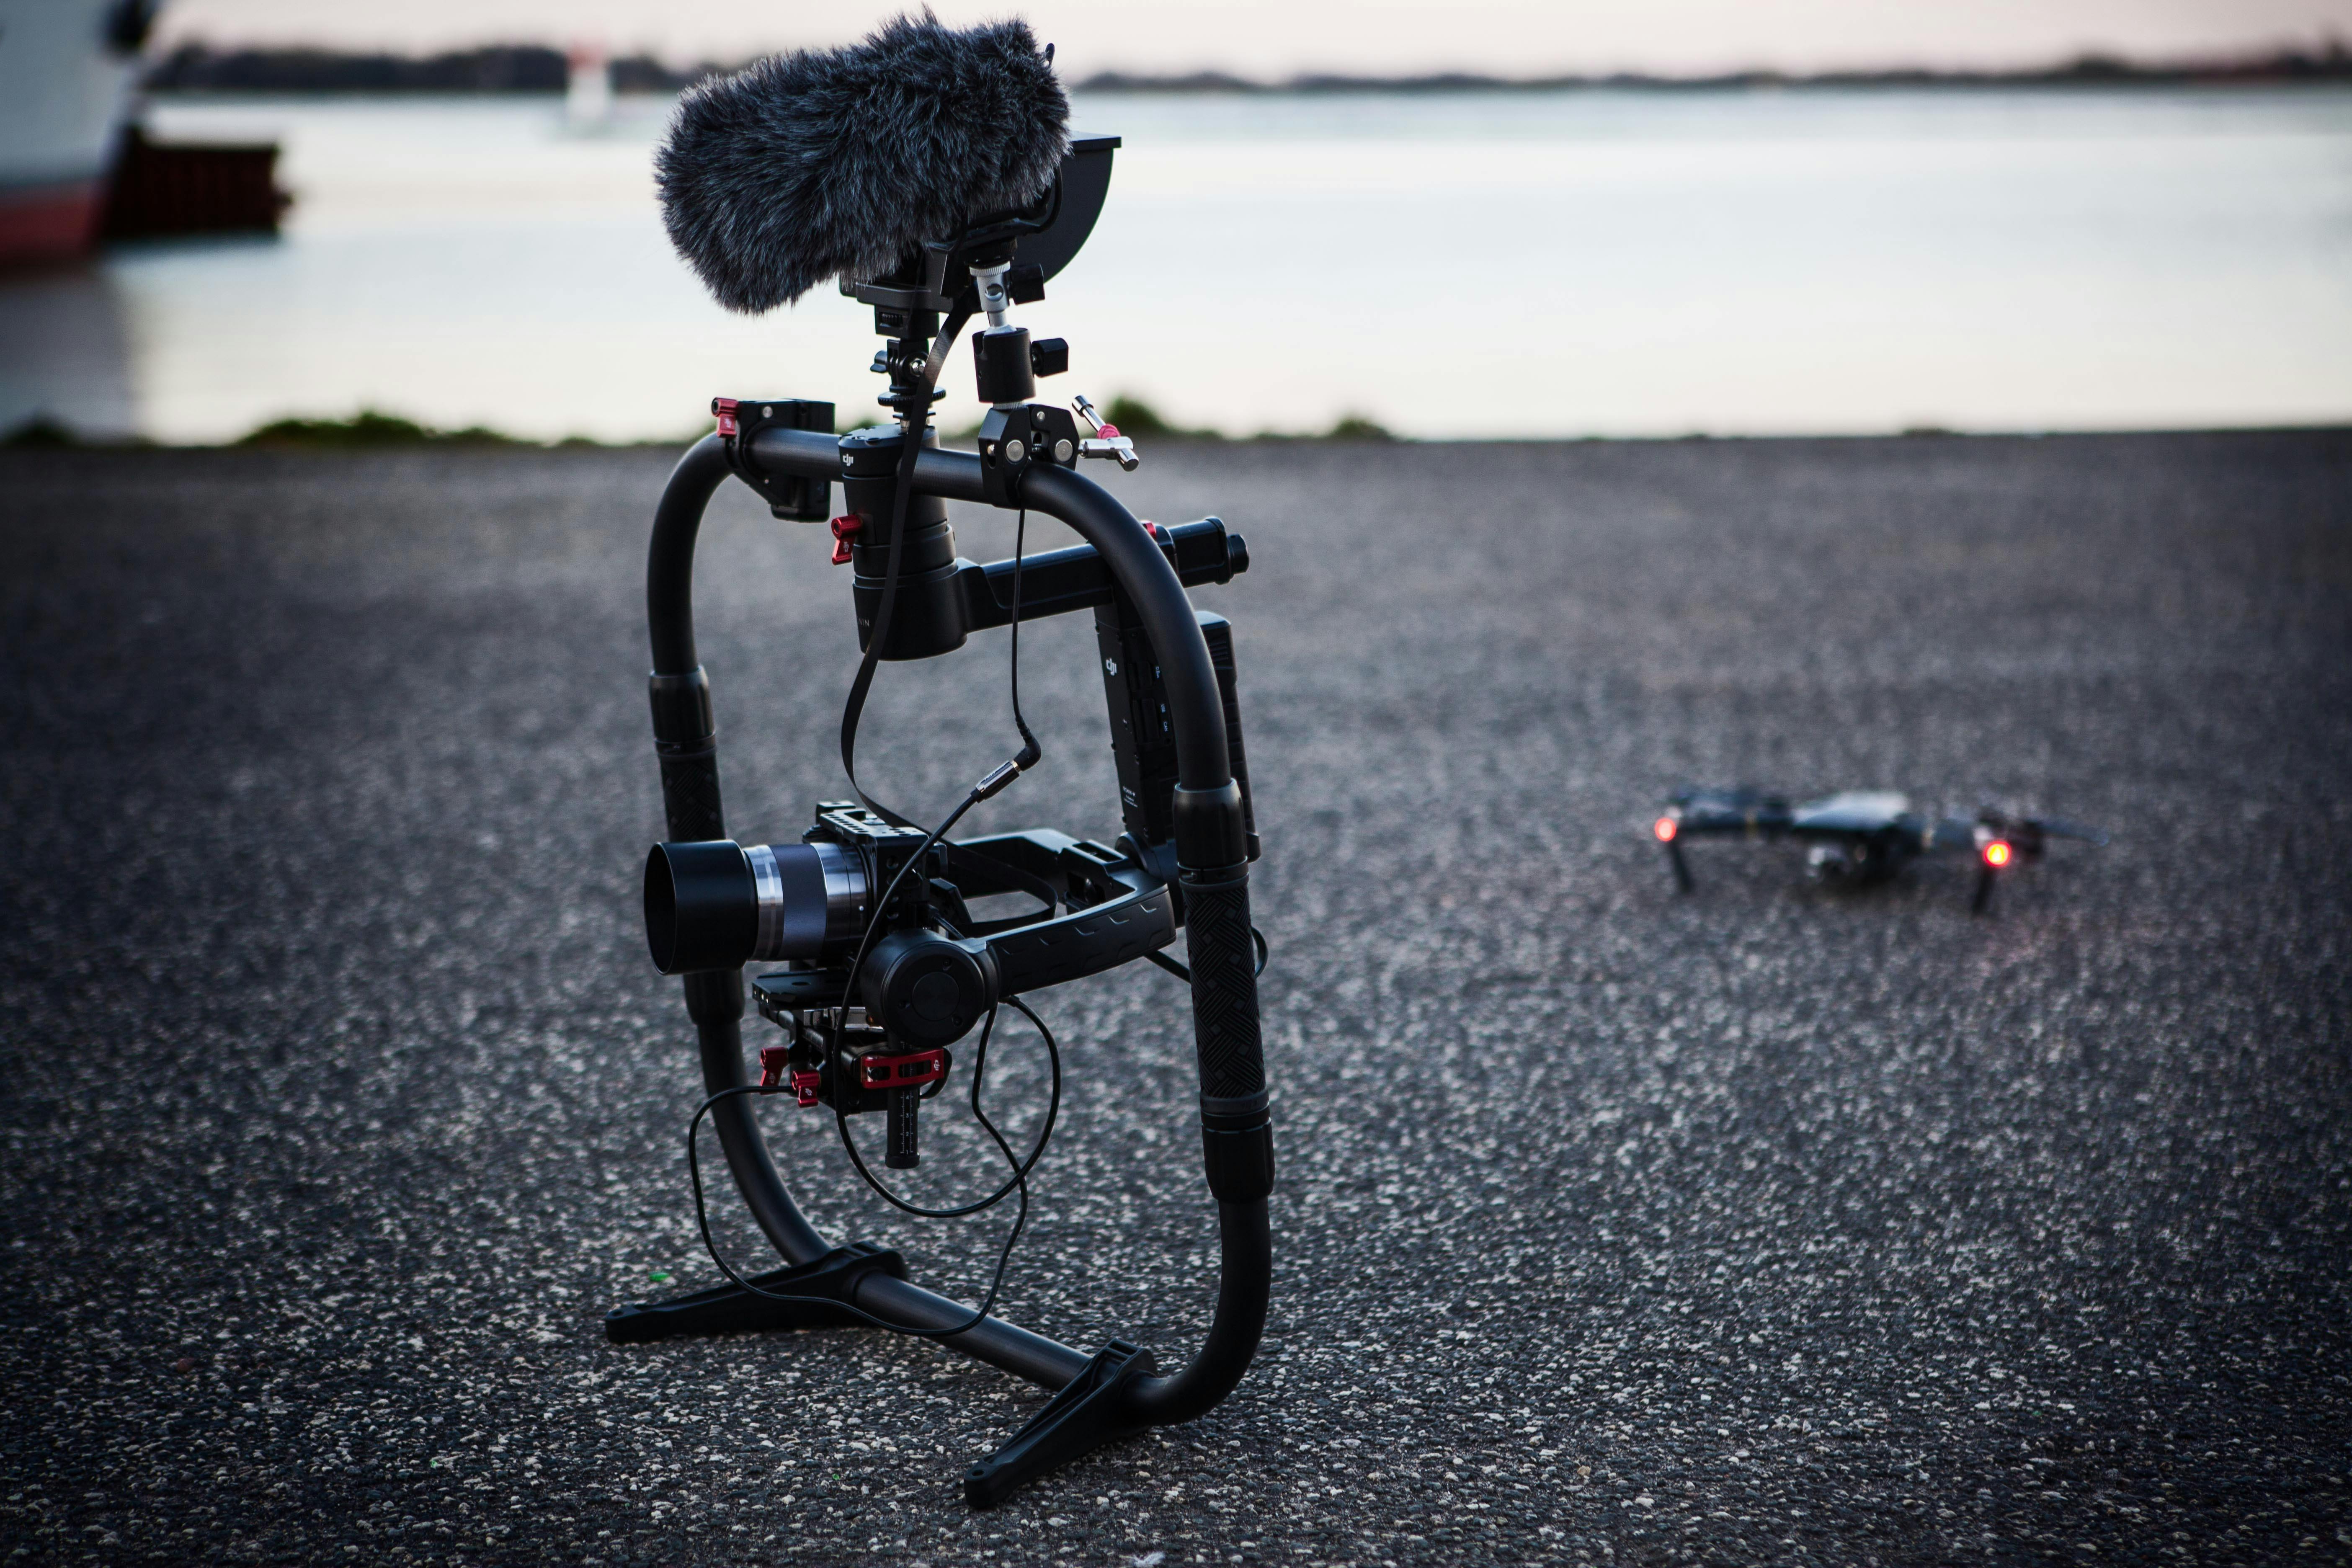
(883, 974)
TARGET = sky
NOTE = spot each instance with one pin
(1252, 38)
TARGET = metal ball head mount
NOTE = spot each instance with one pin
(870, 958)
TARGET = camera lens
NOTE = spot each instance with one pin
(716, 904)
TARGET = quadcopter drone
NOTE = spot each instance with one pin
(1858, 837)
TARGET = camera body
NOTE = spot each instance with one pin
(920, 988)
(716, 904)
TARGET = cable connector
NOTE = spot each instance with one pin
(1002, 774)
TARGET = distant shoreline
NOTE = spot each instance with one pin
(534, 69)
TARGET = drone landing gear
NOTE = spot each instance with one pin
(1682, 880)
(731, 1309)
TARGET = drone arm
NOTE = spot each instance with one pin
(1954, 833)
(1712, 826)
(1713, 819)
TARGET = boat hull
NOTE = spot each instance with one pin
(66, 80)
(49, 222)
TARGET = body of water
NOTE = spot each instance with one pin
(1573, 263)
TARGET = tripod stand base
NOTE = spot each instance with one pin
(1090, 1411)
(731, 1310)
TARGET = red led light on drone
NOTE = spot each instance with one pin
(1996, 854)
(1665, 829)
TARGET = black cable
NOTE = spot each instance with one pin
(914, 423)
(1020, 1182)
(702, 1219)
(997, 778)
(1031, 752)
(874, 922)
(1020, 1168)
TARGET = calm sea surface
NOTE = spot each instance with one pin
(1596, 262)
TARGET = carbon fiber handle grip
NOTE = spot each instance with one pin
(686, 741)
(1225, 991)
(690, 795)
(1236, 1134)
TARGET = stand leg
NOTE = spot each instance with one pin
(1683, 882)
(730, 1309)
(1984, 890)
(1091, 1411)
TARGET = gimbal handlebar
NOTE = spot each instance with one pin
(1114, 1392)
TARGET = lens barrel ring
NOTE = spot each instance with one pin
(716, 904)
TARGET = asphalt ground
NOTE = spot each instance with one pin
(1769, 1223)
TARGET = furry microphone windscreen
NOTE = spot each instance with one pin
(837, 164)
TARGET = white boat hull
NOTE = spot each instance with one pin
(65, 90)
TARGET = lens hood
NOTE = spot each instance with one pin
(716, 904)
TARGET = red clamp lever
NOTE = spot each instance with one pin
(844, 529)
(774, 1060)
(910, 1071)
(723, 410)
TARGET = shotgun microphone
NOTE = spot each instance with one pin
(840, 163)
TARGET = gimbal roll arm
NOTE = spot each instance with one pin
(686, 740)
(1214, 882)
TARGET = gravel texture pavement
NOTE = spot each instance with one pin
(1771, 1224)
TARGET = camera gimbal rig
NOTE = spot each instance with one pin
(882, 966)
